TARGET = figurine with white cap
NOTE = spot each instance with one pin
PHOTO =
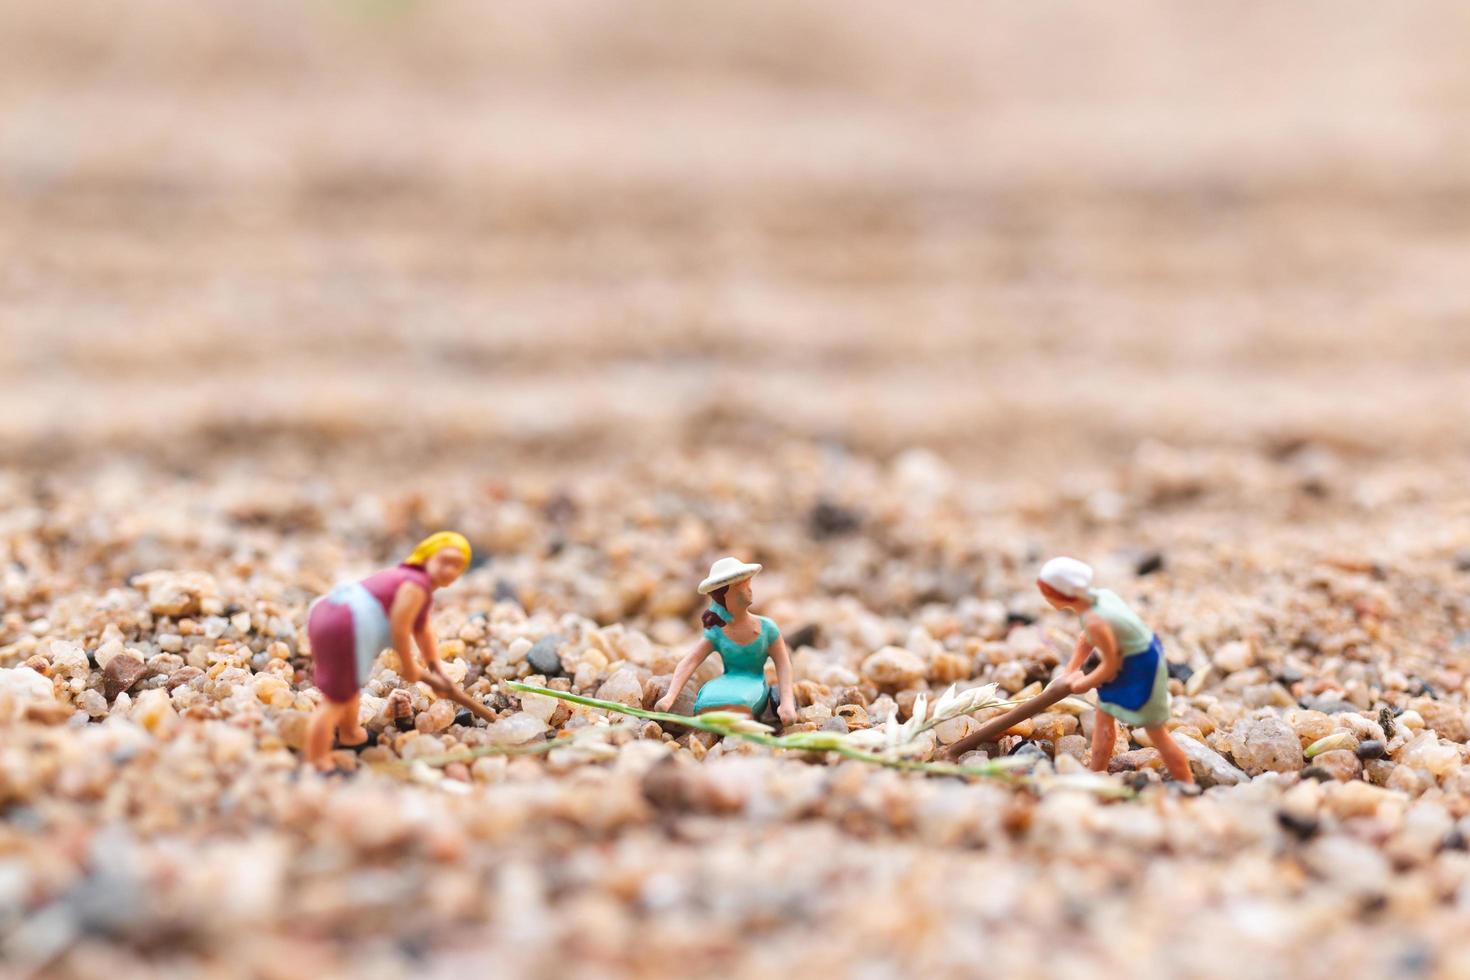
(744, 641)
(1131, 677)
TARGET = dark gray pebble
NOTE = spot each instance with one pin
(1136, 780)
(1302, 828)
(1029, 749)
(367, 743)
(544, 658)
(1289, 675)
(831, 520)
(805, 636)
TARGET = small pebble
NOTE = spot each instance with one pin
(1386, 721)
(121, 673)
(1370, 749)
(829, 520)
(1180, 671)
(1300, 827)
(1340, 764)
(1234, 656)
(543, 657)
(1028, 748)
(1265, 745)
(623, 687)
(803, 636)
(1289, 675)
(893, 667)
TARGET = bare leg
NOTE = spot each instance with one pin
(1104, 734)
(349, 729)
(319, 733)
(1174, 758)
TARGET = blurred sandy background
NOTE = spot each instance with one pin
(896, 298)
(578, 229)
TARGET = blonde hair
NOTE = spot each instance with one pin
(437, 542)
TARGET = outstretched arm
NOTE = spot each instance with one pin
(406, 606)
(779, 653)
(428, 646)
(684, 671)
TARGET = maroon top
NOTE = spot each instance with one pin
(384, 587)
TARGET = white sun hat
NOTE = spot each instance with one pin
(1068, 576)
(727, 571)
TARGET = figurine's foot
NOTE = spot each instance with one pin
(324, 765)
(1183, 789)
(352, 736)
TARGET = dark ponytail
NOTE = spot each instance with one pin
(711, 619)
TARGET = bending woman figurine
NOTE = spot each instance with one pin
(1132, 679)
(743, 642)
(356, 621)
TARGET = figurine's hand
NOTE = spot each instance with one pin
(438, 680)
(1077, 681)
(787, 713)
(411, 673)
(665, 703)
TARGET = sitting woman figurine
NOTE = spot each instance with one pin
(1132, 679)
(743, 642)
(356, 621)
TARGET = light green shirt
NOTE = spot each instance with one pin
(1132, 634)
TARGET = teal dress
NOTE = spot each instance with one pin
(743, 683)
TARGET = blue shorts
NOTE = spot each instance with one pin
(1133, 685)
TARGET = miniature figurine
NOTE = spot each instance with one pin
(743, 642)
(1132, 679)
(356, 621)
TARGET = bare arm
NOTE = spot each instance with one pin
(406, 606)
(423, 637)
(429, 650)
(1079, 652)
(782, 656)
(684, 671)
(1101, 636)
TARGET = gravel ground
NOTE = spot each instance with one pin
(897, 306)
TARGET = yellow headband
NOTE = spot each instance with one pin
(437, 542)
